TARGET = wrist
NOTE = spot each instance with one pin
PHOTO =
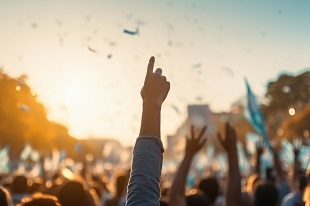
(151, 105)
(188, 155)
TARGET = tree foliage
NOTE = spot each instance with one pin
(286, 92)
(23, 120)
(297, 126)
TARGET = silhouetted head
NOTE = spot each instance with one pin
(39, 199)
(197, 200)
(210, 188)
(121, 184)
(245, 199)
(5, 197)
(163, 203)
(302, 183)
(19, 184)
(35, 185)
(72, 193)
(265, 194)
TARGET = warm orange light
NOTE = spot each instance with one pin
(280, 132)
(291, 111)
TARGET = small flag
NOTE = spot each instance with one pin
(256, 117)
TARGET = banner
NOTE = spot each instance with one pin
(256, 118)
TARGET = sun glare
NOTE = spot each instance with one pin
(78, 98)
(75, 96)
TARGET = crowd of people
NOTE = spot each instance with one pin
(143, 185)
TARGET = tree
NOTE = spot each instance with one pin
(286, 92)
(297, 126)
(23, 120)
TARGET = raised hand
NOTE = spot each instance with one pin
(156, 86)
(233, 193)
(194, 144)
(153, 93)
(229, 142)
(259, 152)
(148, 150)
(276, 148)
(297, 143)
(259, 148)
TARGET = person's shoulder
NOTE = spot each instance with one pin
(288, 199)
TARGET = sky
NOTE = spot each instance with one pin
(88, 72)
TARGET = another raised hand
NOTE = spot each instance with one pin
(193, 145)
(259, 152)
(233, 192)
(276, 148)
(230, 139)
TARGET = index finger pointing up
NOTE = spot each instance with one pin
(150, 66)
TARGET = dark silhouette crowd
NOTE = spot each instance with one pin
(142, 184)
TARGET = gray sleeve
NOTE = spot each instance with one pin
(144, 183)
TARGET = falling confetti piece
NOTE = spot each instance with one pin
(131, 32)
(91, 49)
(196, 66)
(34, 25)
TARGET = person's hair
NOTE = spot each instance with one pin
(35, 185)
(197, 200)
(302, 183)
(210, 187)
(163, 203)
(265, 194)
(39, 199)
(72, 193)
(5, 197)
(19, 184)
(121, 183)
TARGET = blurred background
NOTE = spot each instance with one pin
(71, 73)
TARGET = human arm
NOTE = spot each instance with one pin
(177, 190)
(277, 163)
(153, 93)
(282, 183)
(297, 166)
(259, 152)
(233, 191)
(143, 187)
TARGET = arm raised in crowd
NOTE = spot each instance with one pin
(259, 152)
(297, 166)
(277, 163)
(143, 187)
(282, 184)
(233, 192)
(193, 145)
